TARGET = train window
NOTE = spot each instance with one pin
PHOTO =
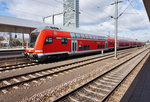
(77, 35)
(90, 36)
(82, 36)
(100, 46)
(80, 48)
(32, 39)
(87, 37)
(94, 37)
(72, 35)
(48, 41)
(85, 47)
(110, 42)
(63, 40)
(97, 37)
(104, 38)
(103, 46)
(88, 47)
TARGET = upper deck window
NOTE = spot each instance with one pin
(82, 36)
(77, 35)
(72, 35)
(94, 37)
(87, 37)
(105, 38)
(90, 36)
(97, 37)
(102, 38)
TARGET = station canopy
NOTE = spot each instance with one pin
(17, 25)
(147, 6)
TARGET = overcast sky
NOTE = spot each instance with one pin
(95, 15)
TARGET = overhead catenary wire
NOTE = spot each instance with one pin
(132, 6)
(124, 10)
(99, 6)
(107, 16)
(86, 13)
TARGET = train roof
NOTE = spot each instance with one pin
(77, 30)
(67, 29)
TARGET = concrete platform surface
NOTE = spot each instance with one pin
(11, 49)
(12, 52)
(139, 90)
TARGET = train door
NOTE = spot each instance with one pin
(132, 44)
(106, 44)
(74, 46)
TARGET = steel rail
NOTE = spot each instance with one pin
(49, 74)
(80, 87)
(4, 68)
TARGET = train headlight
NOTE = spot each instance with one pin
(38, 50)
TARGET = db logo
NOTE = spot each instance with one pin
(55, 33)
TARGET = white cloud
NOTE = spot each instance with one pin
(33, 9)
(95, 15)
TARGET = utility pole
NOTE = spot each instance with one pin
(116, 27)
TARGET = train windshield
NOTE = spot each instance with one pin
(32, 40)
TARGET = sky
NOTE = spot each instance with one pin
(95, 15)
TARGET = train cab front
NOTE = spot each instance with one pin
(31, 47)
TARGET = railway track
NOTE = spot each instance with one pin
(10, 61)
(28, 63)
(101, 87)
(16, 66)
(8, 83)
(17, 62)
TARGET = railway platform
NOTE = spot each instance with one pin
(4, 53)
(139, 91)
(11, 49)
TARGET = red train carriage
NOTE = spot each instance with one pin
(124, 43)
(53, 41)
(111, 43)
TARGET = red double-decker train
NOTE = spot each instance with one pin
(54, 41)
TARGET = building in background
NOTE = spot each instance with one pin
(71, 13)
